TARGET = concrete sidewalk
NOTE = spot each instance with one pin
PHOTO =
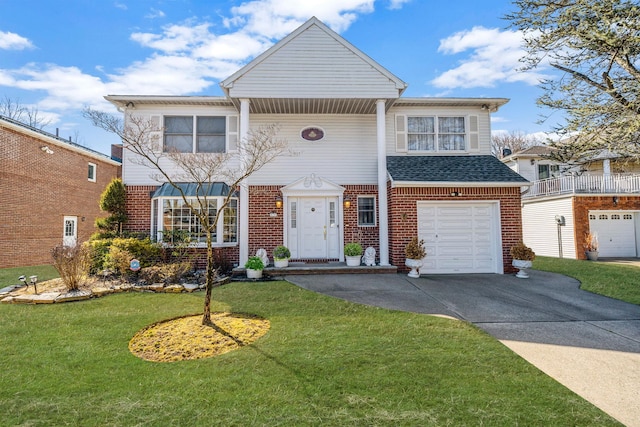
(587, 342)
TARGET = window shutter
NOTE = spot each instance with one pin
(156, 125)
(401, 133)
(232, 133)
(474, 137)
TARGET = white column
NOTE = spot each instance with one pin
(244, 188)
(383, 208)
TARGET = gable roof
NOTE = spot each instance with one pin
(313, 63)
(456, 170)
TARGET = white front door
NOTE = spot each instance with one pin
(70, 233)
(313, 234)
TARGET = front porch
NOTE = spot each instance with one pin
(331, 267)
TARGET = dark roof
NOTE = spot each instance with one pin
(189, 188)
(451, 169)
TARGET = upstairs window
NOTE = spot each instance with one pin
(209, 135)
(91, 174)
(431, 133)
(548, 171)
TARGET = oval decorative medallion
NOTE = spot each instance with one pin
(312, 133)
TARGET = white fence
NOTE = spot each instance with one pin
(590, 184)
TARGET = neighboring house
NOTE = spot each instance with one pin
(50, 190)
(368, 165)
(601, 195)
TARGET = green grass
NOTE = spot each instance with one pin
(613, 280)
(9, 276)
(324, 362)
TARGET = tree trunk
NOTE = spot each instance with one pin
(211, 273)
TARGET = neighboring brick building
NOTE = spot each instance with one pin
(49, 191)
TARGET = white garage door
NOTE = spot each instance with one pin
(616, 232)
(460, 237)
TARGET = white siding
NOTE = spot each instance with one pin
(540, 230)
(134, 173)
(484, 125)
(346, 154)
(313, 65)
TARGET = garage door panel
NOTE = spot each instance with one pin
(616, 232)
(459, 238)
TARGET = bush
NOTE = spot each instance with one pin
(415, 249)
(72, 263)
(522, 252)
(118, 260)
(147, 252)
(165, 273)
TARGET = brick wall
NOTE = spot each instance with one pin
(37, 190)
(403, 216)
(582, 206)
(265, 230)
(365, 235)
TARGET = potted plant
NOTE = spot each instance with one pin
(254, 267)
(414, 253)
(522, 259)
(591, 246)
(353, 253)
(281, 255)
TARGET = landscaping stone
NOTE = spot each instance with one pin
(74, 296)
(156, 287)
(102, 291)
(174, 289)
(190, 287)
(45, 298)
(7, 300)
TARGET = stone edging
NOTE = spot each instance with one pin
(10, 296)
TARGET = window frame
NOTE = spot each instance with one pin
(195, 140)
(551, 174)
(92, 172)
(227, 224)
(373, 211)
(437, 133)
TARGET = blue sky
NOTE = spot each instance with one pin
(60, 56)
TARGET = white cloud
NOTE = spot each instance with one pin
(495, 57)
(155, 13)
(397, 4)
(13, 41)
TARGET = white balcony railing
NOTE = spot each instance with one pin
(589, 184)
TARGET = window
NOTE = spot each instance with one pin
(548, 171)
(210, 135)
(174, 220)
(431, 133)
(366, 211)
(91, 175)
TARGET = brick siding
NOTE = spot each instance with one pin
(37, 190)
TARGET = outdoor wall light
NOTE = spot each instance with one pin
(615, 200)
(347, 202)
(278, 202)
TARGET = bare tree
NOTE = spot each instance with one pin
(595, 46)
(13, 109)
(143, 137)
(514, 141)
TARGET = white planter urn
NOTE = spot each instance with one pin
(414, 265)
(591, 255)
(254, 274)
(353, 261)
(521, 265)
(281, 263)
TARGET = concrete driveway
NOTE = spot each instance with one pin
(587, 342)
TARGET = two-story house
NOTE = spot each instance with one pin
(369, 165)
(50, 189)
(599, 195)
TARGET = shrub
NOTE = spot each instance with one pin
(147, 252)
(165, 273)
(281, 252)
(353, 249)
(72, 263)
(415, 249)
(118, 259)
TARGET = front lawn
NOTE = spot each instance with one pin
(323, 362)
(613, 280)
